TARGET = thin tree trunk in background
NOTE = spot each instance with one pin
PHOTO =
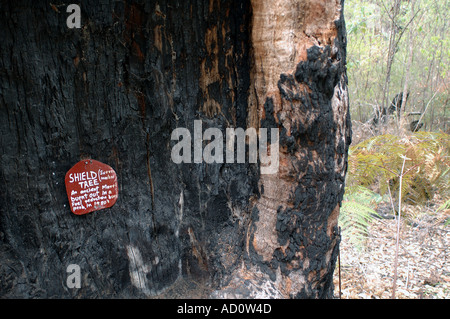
(409, 61)
(391, 52)
(115, 90)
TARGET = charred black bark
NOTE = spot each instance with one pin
(114, 90)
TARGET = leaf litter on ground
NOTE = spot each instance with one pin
(367, 271)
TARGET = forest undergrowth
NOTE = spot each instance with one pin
(381, 181)
(423, 264)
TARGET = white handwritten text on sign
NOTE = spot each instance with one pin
(91, 185)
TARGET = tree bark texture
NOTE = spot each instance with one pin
(115, 89)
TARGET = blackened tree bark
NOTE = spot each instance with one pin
(115, 89)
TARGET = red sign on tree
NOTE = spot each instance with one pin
(91, 185)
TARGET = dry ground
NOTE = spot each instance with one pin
(423, 261)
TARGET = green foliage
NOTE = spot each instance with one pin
(356, 213)
(445, 206)
(368, 29)
(374, 168)
(377, 163)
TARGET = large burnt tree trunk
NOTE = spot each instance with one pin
(115, 89)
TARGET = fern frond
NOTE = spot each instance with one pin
(375, 161)
(354, 220)
(357, 213)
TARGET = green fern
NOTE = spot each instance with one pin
(357, 213)
(374, 167)
(377, 163)
(445, 206)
